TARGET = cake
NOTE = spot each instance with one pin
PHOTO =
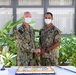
(35, 70)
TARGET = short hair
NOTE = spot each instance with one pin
(48, 13)
(27, 12)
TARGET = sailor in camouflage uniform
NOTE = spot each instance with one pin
(49, 42)
(25, 40)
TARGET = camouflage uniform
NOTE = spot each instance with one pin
(26, 45)
(47, 38)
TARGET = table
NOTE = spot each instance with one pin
(58, 71)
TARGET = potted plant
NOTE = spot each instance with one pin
(67, 50)
(7, 58)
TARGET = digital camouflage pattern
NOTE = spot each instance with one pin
(47, 38)
(26, 45)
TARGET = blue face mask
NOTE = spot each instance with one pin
(28, 20)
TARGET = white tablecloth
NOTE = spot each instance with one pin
(58, 71)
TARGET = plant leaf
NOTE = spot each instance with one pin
(32, 23)
(13, 56)
(2, 56)
(7, 24)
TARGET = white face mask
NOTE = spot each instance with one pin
(28, 20)
(48, 21)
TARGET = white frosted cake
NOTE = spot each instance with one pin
(35, 70)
